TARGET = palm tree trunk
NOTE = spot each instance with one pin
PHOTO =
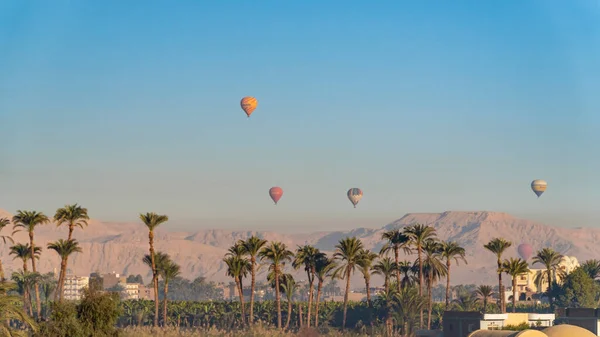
(37, 288)
(2, 279)
(166, 291)
(448, 284)
(397, 266)
(310, 299)
(420, 283)
(242, 306)
(514, 286)
(319, 288)
(252, 286)
(71, 228)
(154, 277)
(367, 286)
(278, 298)
(548, 290)
(289, 314)
(386, 284)
(346, 299)
(500, 290)
(485, 301)
(430, 301)
(61, 279)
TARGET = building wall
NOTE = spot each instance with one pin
(73, 286)
(460, 323)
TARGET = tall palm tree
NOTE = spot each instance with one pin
(3, 223)
(396, 240)
(551, 260)
(152, 221)
(64, 249)
(484, 292)
(386, 268)
(25, 281)
(278, 255)
(451, 251)
(419, 234)
(28, 221)
(365, 265)
(288, 286)
(348, 253)
(160, 260)
(409, 273)
(307, 256)
(323, 268)
(252, 246)
(498, 246)
(23, 252)
(434, 269)
(72, 216)
(514, 267)
(168, 271)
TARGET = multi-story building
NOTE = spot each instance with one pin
(74, 285)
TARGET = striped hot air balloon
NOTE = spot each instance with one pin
(539, 186)
(275, 193)
(248, 104)
(355, 194)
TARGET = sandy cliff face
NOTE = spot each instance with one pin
(120, 246)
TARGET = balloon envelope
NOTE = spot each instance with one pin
(275, 193)
(355, 194)
(539, 186)
(248, 104)
(525, 251)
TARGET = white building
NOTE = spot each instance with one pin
(74, 285)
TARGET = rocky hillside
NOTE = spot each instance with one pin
(120, 246)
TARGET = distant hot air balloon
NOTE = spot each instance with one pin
(539, 186)
(275, 193)
(355, 194)
(525, 251)
(248, 104)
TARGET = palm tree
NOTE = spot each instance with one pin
(25, 281)
(64, 249)
(287, 285)
(27, 221)
(592, 268)
(23, 252)
(152, 221)
(396, 240)
(252, 246)
(465, 301)
(168, 271)
(434, 269)
(11, 310)
(451, 250)
(348, 252)
(3, 223)
(409, 271)
(484, 292)
(307, 257)
(386, 268)
(323, 268)
(550, 259)
(515, 267)
(159, 260)
(409, 303)
(418, 235)
(278, 255)
(72, 216)
(365, 265)
(498, 246)
(242, 266)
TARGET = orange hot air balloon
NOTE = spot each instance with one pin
(248, 104)
(275, 193)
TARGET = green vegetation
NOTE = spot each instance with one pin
(400, 308)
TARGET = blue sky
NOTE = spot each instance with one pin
(427, 106)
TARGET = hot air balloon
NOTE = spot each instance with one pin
(275, 193)
(355, 194)
(539, 186)
(248, 104)
(525, 251)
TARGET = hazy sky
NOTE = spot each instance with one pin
(427, 106)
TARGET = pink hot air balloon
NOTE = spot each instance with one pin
(275, 193)
(525, 251)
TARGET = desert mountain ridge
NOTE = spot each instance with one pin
(119, 247)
